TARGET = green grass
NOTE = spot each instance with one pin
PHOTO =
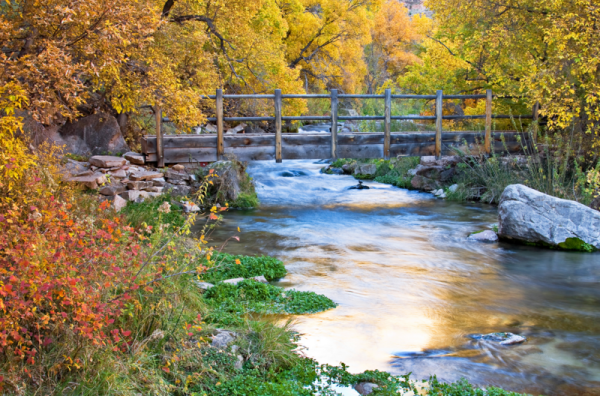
(147, 212)
(249, 267)
(246, 200)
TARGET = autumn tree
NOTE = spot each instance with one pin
(542, 51)
(392, 49)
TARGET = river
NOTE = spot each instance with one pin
(411, 288)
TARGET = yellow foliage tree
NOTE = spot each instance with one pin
(541, 51)
(15, 159)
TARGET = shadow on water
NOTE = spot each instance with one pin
(411, 288)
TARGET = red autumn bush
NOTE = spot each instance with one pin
(66, 274)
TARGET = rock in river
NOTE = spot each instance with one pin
(484, 236)
(531, 216)
(501, 338)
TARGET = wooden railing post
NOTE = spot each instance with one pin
(388, 127)
(278, 157)
(488, 121)
(536, 116)
(334, 118)
(220, 132)
(439, 107)
(160, 149)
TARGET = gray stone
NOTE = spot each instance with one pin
(131, 195)
(453, 188)
(447, 175)
(135, 158)
(529, 215)
(336, 171)
(422, 183)
(260, 279)
(159, 182)
(145, 175)
(178, 191)
(107, 161)
(139, 185)
(223, 338)
(367, 170)
(91, 181)
(178, 167)
(431, 172)
(75, 167)
(210, 128)
(348, 168)
(173, 175)
(154, 189)
(428, 160)
(84, 173)
(92, 135)
(233, 281)
(118, 203)
(230, 175)
(204, 285)
(112, 189)
(237, 129)
(365, 388)
(119, 174)
(239, 363)
(501, 338)
(484, 236)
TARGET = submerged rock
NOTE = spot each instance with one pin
(501, 338)
(359, 186)
(484, 236)
(366, 170)
(530, 216)
(336, 171)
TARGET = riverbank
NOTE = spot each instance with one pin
(140, 319)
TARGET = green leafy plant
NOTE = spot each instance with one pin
(229, 266)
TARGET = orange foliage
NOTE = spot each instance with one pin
(65, 277)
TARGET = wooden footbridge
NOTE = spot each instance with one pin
(278, 146)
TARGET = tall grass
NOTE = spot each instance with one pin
(553, 164)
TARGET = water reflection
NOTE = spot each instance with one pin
(411, 287)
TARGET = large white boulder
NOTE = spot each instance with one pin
(531, 216)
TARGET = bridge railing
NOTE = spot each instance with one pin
(334, 98)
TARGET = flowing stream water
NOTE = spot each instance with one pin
(411, 288)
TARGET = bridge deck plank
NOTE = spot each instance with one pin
(249, 147)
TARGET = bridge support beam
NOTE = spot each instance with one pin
(220, 127)
(439, 112)
(388, 124)
(160, 147)
(278, 157)
(488, 122)
(334, 120)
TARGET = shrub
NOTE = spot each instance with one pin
(147, 213)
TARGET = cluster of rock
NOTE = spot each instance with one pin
(431, 174)
(353, 168)
(129, 179)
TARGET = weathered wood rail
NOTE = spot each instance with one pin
(279, 146)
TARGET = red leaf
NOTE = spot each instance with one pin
(126, 333)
